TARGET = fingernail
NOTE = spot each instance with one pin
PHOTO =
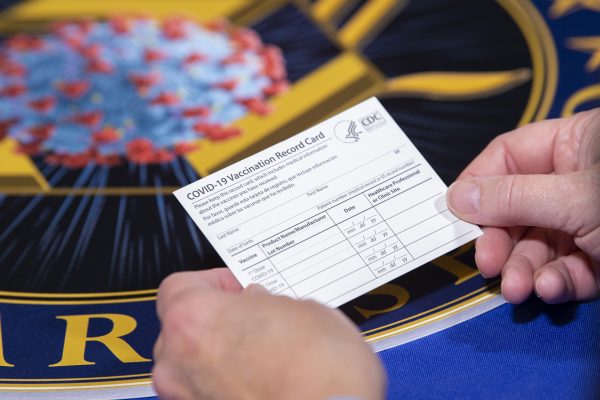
(463, 196)
(535, 291)
(256, 289)
(478, 263)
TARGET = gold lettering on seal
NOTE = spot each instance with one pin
(76, 339)
(3, 362)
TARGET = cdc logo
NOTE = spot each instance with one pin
(372, 121)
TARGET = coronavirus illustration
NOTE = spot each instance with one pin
(132, 89)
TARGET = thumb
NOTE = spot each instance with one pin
(560, 202)
(255, 288)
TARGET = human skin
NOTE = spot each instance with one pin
(536, 193)
(218, 341)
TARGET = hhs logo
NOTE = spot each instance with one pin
(347, 131)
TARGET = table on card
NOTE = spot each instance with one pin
(354, 242)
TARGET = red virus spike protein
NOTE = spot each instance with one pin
(194, 58)
(165, 99)
(54, 159)
(106, 135)
(247, 39)
(75, 42)
(42, 132)
(92, 118)
(276, 88)
(144, 81)
(174, 28)
(31, 149)
(200, 111)
(257, 106)
(225, 133)
(218, 25)
(203, 128)
(13, 91)
(163, 156)
(133, 89)
(78, 160)
(151, 55)
(43, 104)
(227, 85)
(24, 43)
(85, 26)
(10, 68)
(216, 132)
(140, 151)
(74, 89)
(235, 58)
(5, 126)
(273, 63)
(184, 147)
(121, 25)
(110, 160)
(90, 52)
(100, 66)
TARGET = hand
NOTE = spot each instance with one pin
(221, 342)
(536, 191)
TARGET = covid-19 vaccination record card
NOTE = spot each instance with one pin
(330, 213)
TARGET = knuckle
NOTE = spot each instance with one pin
(497, 142)
(592, 182)
(501, 145)
(168, 286)
(508, 196)
(586, 217)
(570, 143)
(176, 325)
(178, 312)
(583, 122)
(187, 323)
(500, 140)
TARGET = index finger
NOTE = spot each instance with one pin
(526, 150)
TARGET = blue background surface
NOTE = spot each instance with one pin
(529, 351)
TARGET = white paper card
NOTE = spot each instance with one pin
(330, 213)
